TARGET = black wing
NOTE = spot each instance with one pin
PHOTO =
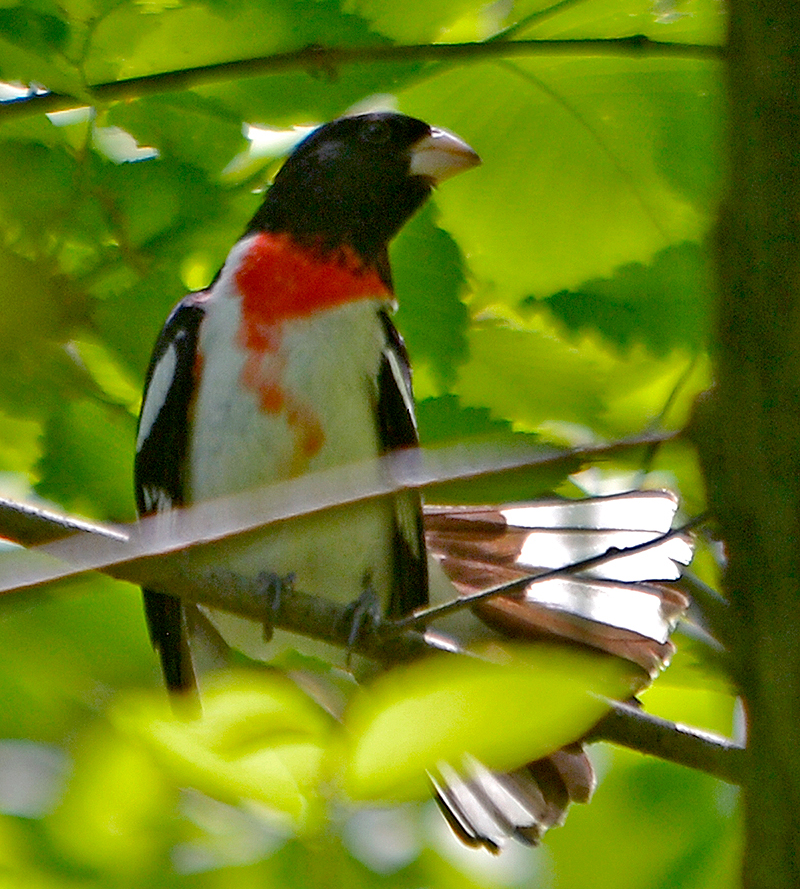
(397, 428)
(160, 469)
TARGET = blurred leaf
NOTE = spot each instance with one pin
(85, 446)
(19, 444)
(443, 707)
(185, 127)
(708, 707)
(663, 826)
(678, 21)
(444, 419)
(413, 22)
(130, 41)
(530, 376)
(34, 37)
(71, 649)
(26, 211)
(260, 738)
(572, 184)
(112, 815)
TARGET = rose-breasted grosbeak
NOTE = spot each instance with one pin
(289, 363)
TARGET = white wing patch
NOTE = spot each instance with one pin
(160, 383)
(156, 499)
(397, 373)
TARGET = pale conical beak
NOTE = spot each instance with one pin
(440, 155)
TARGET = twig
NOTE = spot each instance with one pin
(422, 616)
(31, 525)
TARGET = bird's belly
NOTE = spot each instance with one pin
(253, 428)
(304, 403)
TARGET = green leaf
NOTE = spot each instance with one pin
(444, 707)
(428, 272)
(185, 127)
(72, 647)
(112, 816)
(260, 738)
(34, 39)
(677, 21)
(664, 305)
(416, 21)
(537, 380)
(638, 799)
(445, 420)
(573, 183)
(31, 214)
(88, 460)
(530, 377)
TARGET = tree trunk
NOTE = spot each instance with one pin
(748, 432)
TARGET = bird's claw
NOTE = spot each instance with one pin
(363, 614)
(273, 588)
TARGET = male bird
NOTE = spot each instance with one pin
(289, 363)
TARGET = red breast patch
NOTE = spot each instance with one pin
(280, 280)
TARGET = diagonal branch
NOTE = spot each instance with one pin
(628, 726)
(208, 522)
(169, 568)
(422, 616)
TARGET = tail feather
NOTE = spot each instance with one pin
(623, 607)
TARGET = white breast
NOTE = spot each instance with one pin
(327, 367)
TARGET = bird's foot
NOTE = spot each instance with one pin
(273, 587)
(362, 615)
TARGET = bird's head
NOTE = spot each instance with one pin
(356, 180)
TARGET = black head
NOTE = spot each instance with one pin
(356, 181)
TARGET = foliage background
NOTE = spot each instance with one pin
(560, 291)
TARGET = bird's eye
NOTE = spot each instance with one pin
(376, 132)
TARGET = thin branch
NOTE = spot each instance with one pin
(176, 574)
(533, 18)
(31, 525)
(328, 59)
(329, 622)
(295, 611)
(631, 727)
(714, 608)
(422, 616)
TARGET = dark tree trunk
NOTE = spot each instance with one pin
(748, 430)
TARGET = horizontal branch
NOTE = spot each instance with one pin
(176, 574)
(326, 621)
(326, 60)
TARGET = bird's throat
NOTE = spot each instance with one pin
(280, 279)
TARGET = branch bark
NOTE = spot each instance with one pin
(628, 726)
(327, 59)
